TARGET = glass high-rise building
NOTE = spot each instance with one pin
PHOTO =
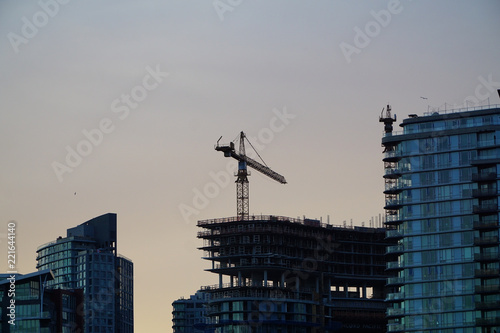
(87, 259)
(441, 176)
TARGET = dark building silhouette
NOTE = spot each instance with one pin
(38, 309)
(279, 274)
(189, 314)
(87, 259)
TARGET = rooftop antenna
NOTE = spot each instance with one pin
(387, 119)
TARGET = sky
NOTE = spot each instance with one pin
(115, 106)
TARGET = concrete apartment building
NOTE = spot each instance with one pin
(280, 274)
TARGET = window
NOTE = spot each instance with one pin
(428, 209)
(444, 176)
(466, 140)
(427, 178)
(444, 160)
(428, 193)
(427, 145)
(443, 143)
(445, 207)
(427, 162)
(465, 174)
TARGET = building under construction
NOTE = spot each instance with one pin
(280, 274)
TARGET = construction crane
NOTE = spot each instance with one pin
(242, 186)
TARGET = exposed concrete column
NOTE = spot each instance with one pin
(220, 281)
(282, 280)
(239, 278)
(265, 278)
(346, 290)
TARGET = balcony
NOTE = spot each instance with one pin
(394, 265)
(485, 225)
(486, 241)
(395, 297)
(395, 312)
(392, 173)
(393, 234)
(393, 190)
(485, 209)
(395, 281)
(485, 160)
(486, 257)
(45, 315)
(489, 289)
(488, 305)
(487, 273)
(391, 156)
(392, 219)
(395, 327)
(393, 204)
(483, 177)
(395, 249)
(488, 321)
(485, 193)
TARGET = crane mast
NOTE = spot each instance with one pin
(242, 184)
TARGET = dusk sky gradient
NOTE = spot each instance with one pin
(306, 80)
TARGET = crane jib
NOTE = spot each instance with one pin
(265, 170)
(242, 192)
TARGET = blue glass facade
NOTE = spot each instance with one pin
(38, 309)
(87, 259)
(441, 175)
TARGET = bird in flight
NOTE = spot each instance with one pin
(423, 97)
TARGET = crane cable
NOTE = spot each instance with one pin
(256, 151)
